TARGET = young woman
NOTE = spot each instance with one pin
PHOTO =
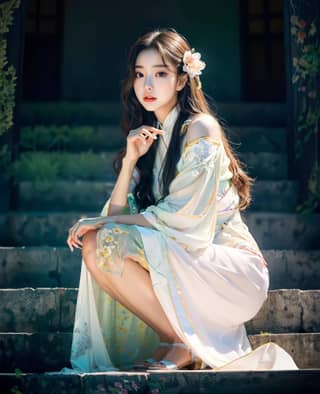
(170, 272)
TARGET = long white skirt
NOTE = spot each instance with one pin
(207, 298)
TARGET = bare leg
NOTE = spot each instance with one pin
(133, 290)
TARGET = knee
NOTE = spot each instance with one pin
(89, 246)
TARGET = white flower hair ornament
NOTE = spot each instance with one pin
(193, 65)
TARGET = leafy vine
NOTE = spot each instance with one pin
(7, 82)
(7, 74)
(306, 68)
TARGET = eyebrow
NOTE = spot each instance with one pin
(156, 65)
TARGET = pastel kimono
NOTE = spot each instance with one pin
(206, 269)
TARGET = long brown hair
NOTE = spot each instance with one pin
(171, 46)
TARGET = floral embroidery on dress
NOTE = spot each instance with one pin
(199, 153)
(201, 148)
(107, 243)
(114, 243)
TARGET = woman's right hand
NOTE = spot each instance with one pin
(140, 140)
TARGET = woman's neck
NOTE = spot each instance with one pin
(163, 113)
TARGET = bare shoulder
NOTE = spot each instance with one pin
(204, 125)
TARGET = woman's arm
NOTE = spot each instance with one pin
(118, 198)
(87, 224)
(137, 219)
(138, 143)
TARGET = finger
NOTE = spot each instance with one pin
(71, 241)
(72, 229)
(74, 225)
(74, 235)
(70, 244)
(76, 232)
(76, 240)
(76, 245)
(144, 134)
(144, 141)
(73, 245)
(155, 134)
(154, 129)
(75, 229)
(149, 133)
(151, 139)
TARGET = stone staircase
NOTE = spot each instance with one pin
(39, 275)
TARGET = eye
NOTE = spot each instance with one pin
(136, 74)
(163, 73)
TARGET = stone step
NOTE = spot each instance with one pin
(284, 230)
(264, 114)
(70, 113)
(89, 195)
(265, 165)
(111, 137)
(257, 139)
(58, 267)
(94, 138)
(98, 166)
(267, 114)
(271, 230)
(184, 381)
(265, 196)
(43, 351)
(53, 309)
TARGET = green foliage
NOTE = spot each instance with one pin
(306, 70)
(18, 372)
(43, 166)
(37, 168)
(7, 73)
(54, 137)
(313, 200)
(66, 138)
(15, 389)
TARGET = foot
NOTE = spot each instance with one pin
(178, 355)
(161, 350)
(159, 353)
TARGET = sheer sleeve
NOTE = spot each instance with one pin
(131, 207)
(188, 213)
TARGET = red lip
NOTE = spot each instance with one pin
(149, 98)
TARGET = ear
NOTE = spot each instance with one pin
(182, 80)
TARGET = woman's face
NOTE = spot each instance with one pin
(155, 79)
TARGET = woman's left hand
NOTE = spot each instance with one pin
(78, 230)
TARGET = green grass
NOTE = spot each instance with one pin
(43, 166)
(68, 138)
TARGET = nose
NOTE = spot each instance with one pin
(148, 83)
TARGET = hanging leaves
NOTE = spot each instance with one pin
(7, 73)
